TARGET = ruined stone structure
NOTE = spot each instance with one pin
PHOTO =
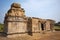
(16, 23)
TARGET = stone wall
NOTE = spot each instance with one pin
(35, 23)
(50, 24)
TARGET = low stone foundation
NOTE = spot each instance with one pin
(15, 35)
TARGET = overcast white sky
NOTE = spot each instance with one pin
(47, 9)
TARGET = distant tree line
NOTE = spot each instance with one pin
(57, 24)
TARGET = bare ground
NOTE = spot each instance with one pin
(49, 36)
(53, 36)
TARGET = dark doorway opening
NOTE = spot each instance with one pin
(42, 26)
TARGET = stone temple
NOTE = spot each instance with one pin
(16, 23)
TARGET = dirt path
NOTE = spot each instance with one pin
(53, 36)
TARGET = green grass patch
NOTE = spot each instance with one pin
(56, 27)
(1, 27)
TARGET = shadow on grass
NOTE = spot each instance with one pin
(57, 29)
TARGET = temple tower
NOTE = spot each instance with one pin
(15, 21)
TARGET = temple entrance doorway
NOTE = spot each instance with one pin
(42, 26)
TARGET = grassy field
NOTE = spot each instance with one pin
(57, 27)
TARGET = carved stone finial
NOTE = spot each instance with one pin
(15, 5)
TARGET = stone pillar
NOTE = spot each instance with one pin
(29, 26)
(40, 26)
(52, 26)
(48, 25)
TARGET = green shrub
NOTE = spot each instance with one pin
(1, 27)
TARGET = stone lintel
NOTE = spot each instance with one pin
(50, 20)
(35, 18)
